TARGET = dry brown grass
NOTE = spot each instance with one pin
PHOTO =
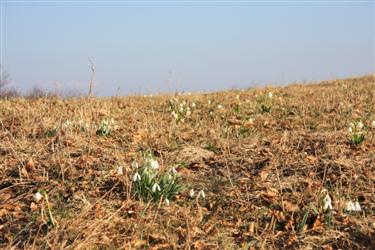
(259, 178)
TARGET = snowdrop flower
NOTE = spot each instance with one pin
(201, 194)
(154, 164)
(373, 124)
(357, 207)
(350, 129)
(170, 177)
(155, 188)
(327, 203)
(350, 207)
(219, 106)
(173, 170)
(167, 202)
(360, 125)
(67, 124)
(251, 121)
(237, 97)
(181, 109)
(270, 95)
(188, 113)
(174, 115)
(119, 171)
(191, 193)
(134, 164)
(193, 105)
(209, 101)
(37, 196)
(136, 177)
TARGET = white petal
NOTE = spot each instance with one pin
(154, 164)
(327, 203)
(136, 177)
(37, 196)
(357, 207)
(201, 194)
(360, 125)
(191, 193)
(155, 188)
(134, 164)
(349, 206)
(120, 171)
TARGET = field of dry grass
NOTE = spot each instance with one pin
(266, 160)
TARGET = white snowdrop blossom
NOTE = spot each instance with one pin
(350, 129)
(357, 207)
(201, 194)
(37, 196)
(173, 170)
(155, 188)
(191, 193)
(181, 109)
(360, 125)
(174, 115)
(270, 95)
(373, 124)
(136, 177)
(350, 207)
(134, 164)
(251, 121)
(219, 106)
(209, 101)
(167, 202)
(119, 171)
(188, 113)
(154, 164)
(193, 105)
(67, 124)
(327, 203)
(237, 97)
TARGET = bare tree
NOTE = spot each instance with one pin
(4, 78)
(92, 67)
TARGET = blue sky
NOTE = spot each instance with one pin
(150, 46)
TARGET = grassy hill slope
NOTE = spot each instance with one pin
(266, 160)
